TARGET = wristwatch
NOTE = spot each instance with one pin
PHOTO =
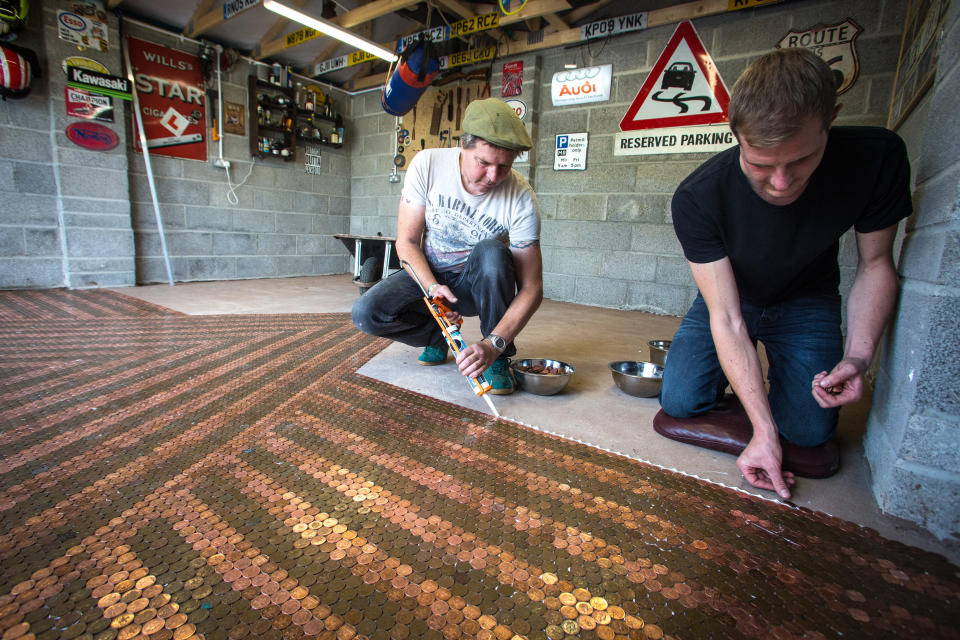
(498, 343)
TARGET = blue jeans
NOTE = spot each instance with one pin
(801, 337)
(394, 308)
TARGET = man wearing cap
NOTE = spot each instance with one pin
(481, 252)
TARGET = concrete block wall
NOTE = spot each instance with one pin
(608, 237)
(31, 255)
(66, 216)
(374, 198)
(93, 185)
(913, 433)
(279, 222)
(607, 234)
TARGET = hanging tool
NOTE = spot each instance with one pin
(459, 105)
(450, 106)
(437, 113)
(451, 333)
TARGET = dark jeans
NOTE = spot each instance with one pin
(801, 337)
(394, 308)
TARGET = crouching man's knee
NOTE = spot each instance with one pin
(362, 314)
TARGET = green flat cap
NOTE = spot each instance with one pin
(496, 122)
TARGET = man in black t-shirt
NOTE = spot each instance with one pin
(760, 226)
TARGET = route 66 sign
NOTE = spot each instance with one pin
(835, 43)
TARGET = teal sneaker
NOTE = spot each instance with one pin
(433, 356)
(500, 377)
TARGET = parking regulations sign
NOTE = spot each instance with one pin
(571, 152)
(684, 87)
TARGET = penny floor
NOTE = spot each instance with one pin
(165, 475)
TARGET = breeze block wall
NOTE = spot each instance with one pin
(66, 216)
(913, 434)
(269, 219)
(608, 238)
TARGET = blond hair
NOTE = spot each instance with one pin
(778, 93)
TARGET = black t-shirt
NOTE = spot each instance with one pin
(783, 252)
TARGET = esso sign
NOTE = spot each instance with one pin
(518, 106)
(72, 21)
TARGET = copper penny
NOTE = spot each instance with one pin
(122, 620)
(152, 626)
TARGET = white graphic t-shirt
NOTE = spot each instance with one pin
(457, 220)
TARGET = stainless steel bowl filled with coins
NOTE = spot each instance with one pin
(542, 376)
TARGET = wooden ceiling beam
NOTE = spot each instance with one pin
(556, 22)
(584, 11)
(352, 18)
(276, 29)
(657, 17)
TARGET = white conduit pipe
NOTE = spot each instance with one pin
(146, 157)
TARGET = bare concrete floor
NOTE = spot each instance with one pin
(591, 409)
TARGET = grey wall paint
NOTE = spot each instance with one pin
(913, 434)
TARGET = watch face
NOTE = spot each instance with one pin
(498, 342)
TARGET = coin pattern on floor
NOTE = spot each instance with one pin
(228, 477)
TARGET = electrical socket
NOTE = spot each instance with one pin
(220, 162)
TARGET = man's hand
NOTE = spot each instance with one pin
(445, 292)
(841, 386)
(475, 359)
(760, 465)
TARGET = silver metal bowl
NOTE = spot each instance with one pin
(658, 351)
(641, 379)
(542, 384)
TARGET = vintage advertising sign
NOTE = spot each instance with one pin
(835, 43)
(614, 26)
(684, 87)
(91, 135)
(521, 108)
(89, 106)
(512, 79)
(571, 152)
(83, 63)
(83, 30)
(581, 86)
(102, 83)
(703, 139)
(170, 89)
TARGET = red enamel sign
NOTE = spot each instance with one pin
(91, 135)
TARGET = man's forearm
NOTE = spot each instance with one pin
(870, 305)
(518, 314)
(413, 254)
(740, 363)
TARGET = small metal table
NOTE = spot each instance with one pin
(365, 247)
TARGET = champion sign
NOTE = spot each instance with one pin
(580, 86)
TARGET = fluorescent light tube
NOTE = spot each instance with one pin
(331, 30)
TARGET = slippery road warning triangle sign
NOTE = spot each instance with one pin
(683, 88)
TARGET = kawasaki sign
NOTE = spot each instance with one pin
(95, 82)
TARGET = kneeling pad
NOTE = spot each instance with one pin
(727, 428)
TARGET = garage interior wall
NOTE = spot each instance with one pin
(78, 218)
